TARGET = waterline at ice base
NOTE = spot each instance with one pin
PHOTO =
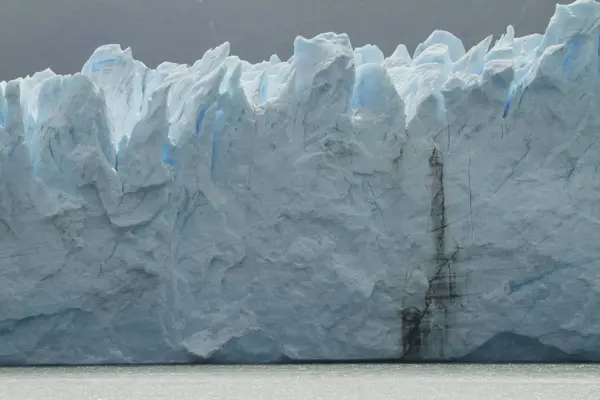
(341, 205)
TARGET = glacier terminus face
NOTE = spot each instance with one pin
(341, 205)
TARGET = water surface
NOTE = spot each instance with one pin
(304, 382)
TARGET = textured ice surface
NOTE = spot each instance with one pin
(338, 205)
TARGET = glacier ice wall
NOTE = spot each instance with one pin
(338, 205)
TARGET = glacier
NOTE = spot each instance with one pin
(340, 205)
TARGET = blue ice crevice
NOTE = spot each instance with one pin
(200, 118)
(511, 98)
(574, 45)
(98, 64)
(508, 103)
(264, 88)
(122, 145)
(507, 106)
(217, 128)
(514, 287)
(167, 155)
(523, 92)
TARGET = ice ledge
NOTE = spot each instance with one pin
(339, 205)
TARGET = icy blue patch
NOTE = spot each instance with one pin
(96, 65)
(573, 49)
(1, 118)
(219, 123)
(199, 119)
(166, 155)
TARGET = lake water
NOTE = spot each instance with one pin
(304, 382)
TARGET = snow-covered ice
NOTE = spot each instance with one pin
(338, 205)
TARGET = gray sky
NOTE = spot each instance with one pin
(62, 34)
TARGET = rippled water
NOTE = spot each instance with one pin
(306, 382)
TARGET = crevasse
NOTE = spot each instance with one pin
(340, 205)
